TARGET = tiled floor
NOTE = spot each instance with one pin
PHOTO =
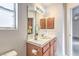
(75, 46)
(76, 50)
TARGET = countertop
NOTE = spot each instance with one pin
(40, 42)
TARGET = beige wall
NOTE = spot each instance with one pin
(15, 39)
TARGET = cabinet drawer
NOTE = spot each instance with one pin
(51, 50)
(47, 53)
(45, 47)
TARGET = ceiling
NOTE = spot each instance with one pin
(46, 5)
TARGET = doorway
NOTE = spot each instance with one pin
(75, 31)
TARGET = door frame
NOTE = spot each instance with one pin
(71, 52)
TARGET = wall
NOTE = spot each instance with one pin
(69, 27)
(57, 11)
(15, 39)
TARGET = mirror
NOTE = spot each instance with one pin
(34, 17)
(38, 21)
(31, 21)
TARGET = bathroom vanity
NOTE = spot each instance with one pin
(40, 42)
(41, 47)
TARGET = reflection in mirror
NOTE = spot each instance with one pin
(35, 13)
(31, 21)
(30, 25)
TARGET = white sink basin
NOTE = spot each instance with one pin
(40, 41)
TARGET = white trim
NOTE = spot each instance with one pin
(16, 16)
(63, 41)
(71, 31)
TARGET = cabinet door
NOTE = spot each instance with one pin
(43, 23)
(30, 48)
(54, 49)
(50, 23)
(51, 48)
(47, 53)
(45, 47)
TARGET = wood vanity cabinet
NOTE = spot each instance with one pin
(46, 50)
